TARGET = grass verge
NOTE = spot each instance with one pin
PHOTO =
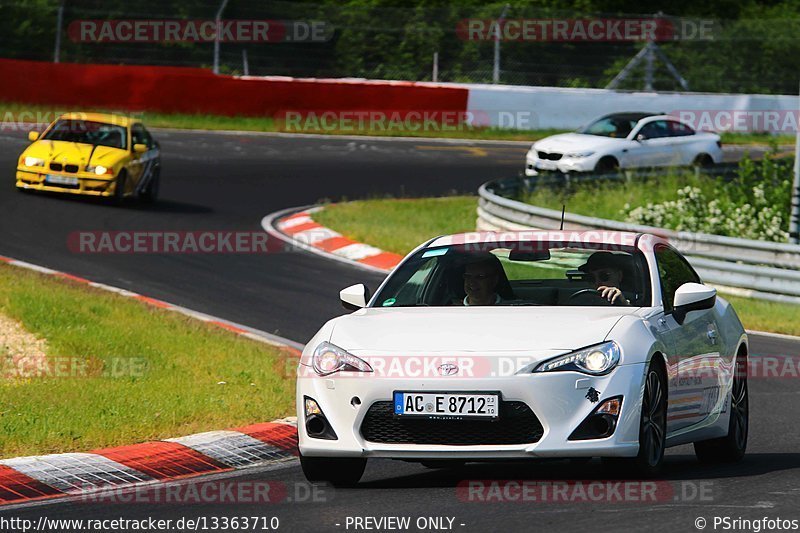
(400, 225)
(10, 111)
(120, 372)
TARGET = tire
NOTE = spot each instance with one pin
(150, 195)
(652, 427)
(731, 447)
(119, 188)
(606, 165)
(338, 471)
(703, 161)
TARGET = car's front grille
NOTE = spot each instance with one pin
(65, 168)
(517, 424)
(548, 156)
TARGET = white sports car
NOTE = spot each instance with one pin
(623, 141)
(535, 344)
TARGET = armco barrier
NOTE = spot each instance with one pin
(194, 90)
(760, 269)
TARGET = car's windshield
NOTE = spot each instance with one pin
(613, 126)
(519, 274)
(88, 132)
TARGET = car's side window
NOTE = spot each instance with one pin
(678, 129)
(655, 130)
(140, 136)
(673, 271)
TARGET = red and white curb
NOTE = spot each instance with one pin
(297, 227)
(26, 479)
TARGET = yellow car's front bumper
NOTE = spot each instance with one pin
(87, 184)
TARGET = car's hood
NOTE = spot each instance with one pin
(74, 153)
(576, 142)
(473, 329)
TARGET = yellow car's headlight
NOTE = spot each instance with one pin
(33, 161)
(100, 170)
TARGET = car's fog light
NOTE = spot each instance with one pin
(317, 426)
(601, 423)
(312, 408)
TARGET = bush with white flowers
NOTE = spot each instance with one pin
(753, 205)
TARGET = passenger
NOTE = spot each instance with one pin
(606, 270)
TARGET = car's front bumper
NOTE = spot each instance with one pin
(558, 399)
(534, 165)
(88, 184)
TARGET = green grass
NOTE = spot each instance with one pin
(151, 373)
(400, 225)
(9, 111)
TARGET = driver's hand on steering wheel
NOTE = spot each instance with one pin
(613, 295)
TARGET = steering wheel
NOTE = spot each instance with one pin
(592, 294)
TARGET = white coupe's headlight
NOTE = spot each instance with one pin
(329, 358)
(596, 360)
(34, 161)
(579, 155)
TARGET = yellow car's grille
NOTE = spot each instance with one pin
(65, 168)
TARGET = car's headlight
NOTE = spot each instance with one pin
(596, 360)
(33, 161)
(99, 170)
(579, 155)
(329, 358)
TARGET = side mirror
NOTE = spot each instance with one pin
(33, 136)
(354, 297)
(139, 148)
(692, 297)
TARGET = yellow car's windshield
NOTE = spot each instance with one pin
(88, 132)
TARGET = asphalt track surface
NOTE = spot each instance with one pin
(229, 182)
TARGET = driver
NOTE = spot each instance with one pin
(606, 271)
(481, 279)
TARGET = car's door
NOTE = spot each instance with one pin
(136, 166)
(682, 141)
(694, 383)
(146, 163)
(653, 145)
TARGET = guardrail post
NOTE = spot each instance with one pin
(217, 20)
(794, 219)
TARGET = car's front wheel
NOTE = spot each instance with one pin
(731, 447)
(652, 426)
(338, 471)
(119, 188)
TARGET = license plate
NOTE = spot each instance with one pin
(546, 165)
(446, 405)
(61, 180)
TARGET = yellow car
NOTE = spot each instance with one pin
(92, 154)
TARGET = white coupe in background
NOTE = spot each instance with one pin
(624, 141)
(548, 368)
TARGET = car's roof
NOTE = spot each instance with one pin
(620, 238)
(632, 115)
(107, 118)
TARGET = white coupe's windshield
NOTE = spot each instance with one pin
(617, 126)
(518, 274)
(88, 132)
